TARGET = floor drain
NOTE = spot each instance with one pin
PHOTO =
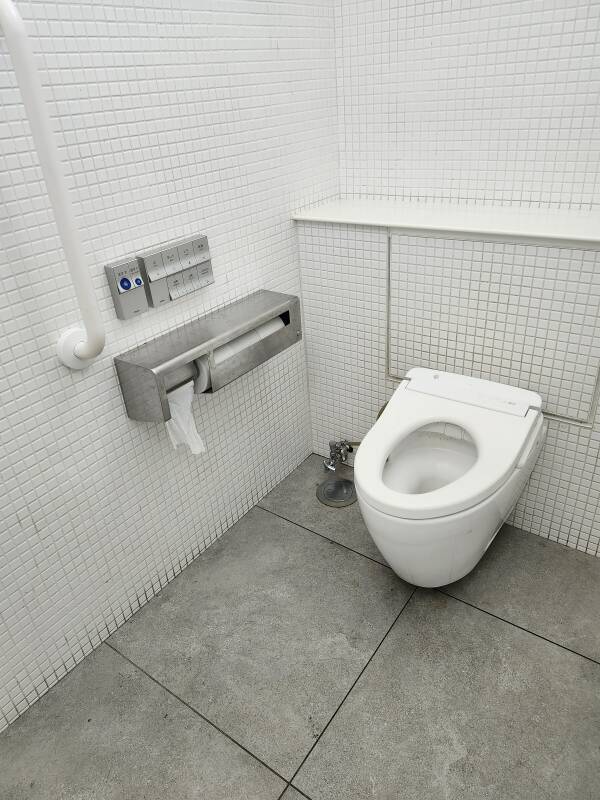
(336, 492)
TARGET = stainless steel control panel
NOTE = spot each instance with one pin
(160, 275)
(127, 288)
(176, 270)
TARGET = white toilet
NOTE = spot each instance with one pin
(442, 468)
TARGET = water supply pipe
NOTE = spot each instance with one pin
(77, 347)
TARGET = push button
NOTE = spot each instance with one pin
(126, 287)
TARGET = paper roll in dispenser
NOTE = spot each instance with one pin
(212, 351)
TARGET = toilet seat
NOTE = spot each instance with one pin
(502, 425)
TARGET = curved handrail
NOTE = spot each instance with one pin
(76, 347)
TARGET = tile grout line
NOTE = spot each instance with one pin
(327, 538)
(295, 788)
(358, 677)
(196, 712)
(288, 782)
(519, 627)
(439, 589)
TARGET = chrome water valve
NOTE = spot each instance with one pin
(338, 453)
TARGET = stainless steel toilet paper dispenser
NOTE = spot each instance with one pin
(148, 372)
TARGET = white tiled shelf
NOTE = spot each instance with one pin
(564, 226)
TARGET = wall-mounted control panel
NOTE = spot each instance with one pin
(159, 276)
(176, 270)
(127, 288)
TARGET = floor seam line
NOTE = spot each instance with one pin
(358, 677)
(519, 627)
(438, 589)
(295, 788)
(322, 535)
(448, 594)
(197, 713)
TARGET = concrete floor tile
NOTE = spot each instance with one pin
(540, 585)
(265, 632)
(458, 705)
(108, 732)
(295, 499)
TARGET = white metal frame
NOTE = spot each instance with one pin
(77, 347)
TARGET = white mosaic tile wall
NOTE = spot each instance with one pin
(174, 118)
(465, 101)
(470, 99)
(522, 314)
(344, 290)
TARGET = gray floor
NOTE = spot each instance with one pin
(289, 662)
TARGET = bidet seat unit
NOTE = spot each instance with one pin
(442, 469)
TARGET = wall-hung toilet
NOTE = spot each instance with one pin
(442, 468)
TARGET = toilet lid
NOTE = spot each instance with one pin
(500, 437)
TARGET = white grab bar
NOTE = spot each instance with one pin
(77, 347)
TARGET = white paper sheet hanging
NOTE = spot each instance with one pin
(181, 427)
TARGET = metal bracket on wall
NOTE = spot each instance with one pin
(149, 371)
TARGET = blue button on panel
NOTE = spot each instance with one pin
(125, 284)
(138, 281)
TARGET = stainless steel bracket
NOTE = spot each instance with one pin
(148, 372)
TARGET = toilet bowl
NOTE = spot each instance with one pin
(442, 469)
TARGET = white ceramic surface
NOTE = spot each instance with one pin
(434, 492)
